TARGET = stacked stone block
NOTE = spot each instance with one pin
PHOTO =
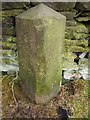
(77, 25)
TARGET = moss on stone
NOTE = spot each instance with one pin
(81, 28)
(15, 5)
(13, 12)
(68, 61)
(8, 30)
(9, 39)
(78, 32)
(71, 23)
(8, 45)
(76, 45)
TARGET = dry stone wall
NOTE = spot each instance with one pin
(77, 33)
(77, 26)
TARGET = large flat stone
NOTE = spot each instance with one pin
(69, 15)
(16, 5)
(40, 37)
(11, 13)
(83, 6)
(76, 45)
(83, 19)
(58, 6)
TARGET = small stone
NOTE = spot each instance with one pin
(10, 39)
(69, 15)
(82, 19)
(8, 20)
(71, 23)
(68, 61)
(83, 62)
(84, 72)
(8, 30)
(70, 74)
(85, 14)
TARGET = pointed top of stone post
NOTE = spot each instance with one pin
(40, 11)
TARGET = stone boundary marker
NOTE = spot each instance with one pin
(40, 37)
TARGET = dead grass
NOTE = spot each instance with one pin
(74, 99)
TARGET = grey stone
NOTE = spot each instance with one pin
(8, 30)
(9, 61)
(58, 6)
(8, 20)
(81, 28)
(8, 45)
(68, 61)
(10, 39)
(71, 23)
(83, 6)
(69, 15)
(76, 45)
(82, 19)
(9, 13)
(78, 32)
(66, 6)
(85, 14)
(14, 5)
(40, 37)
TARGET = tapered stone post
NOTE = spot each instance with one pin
(40, 37)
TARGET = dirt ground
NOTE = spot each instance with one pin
(71, 102)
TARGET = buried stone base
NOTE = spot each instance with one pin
(40, 92)
(43, 98)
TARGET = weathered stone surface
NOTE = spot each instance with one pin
(14, 12)
(71, 23)
(8, 45)
(82, 19)
(10, 39)
(83, 6)
(81, 28)
(85, 14)
(88, 26)
(79, 32)
(58, 6)
(52, 5)
(76, 45)
(8, 30)
(65, 6)
(40, 37)
(68, 61)
(76, 36)
(16, 5)
(8, 20)
(71, 70)
(69, 15)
